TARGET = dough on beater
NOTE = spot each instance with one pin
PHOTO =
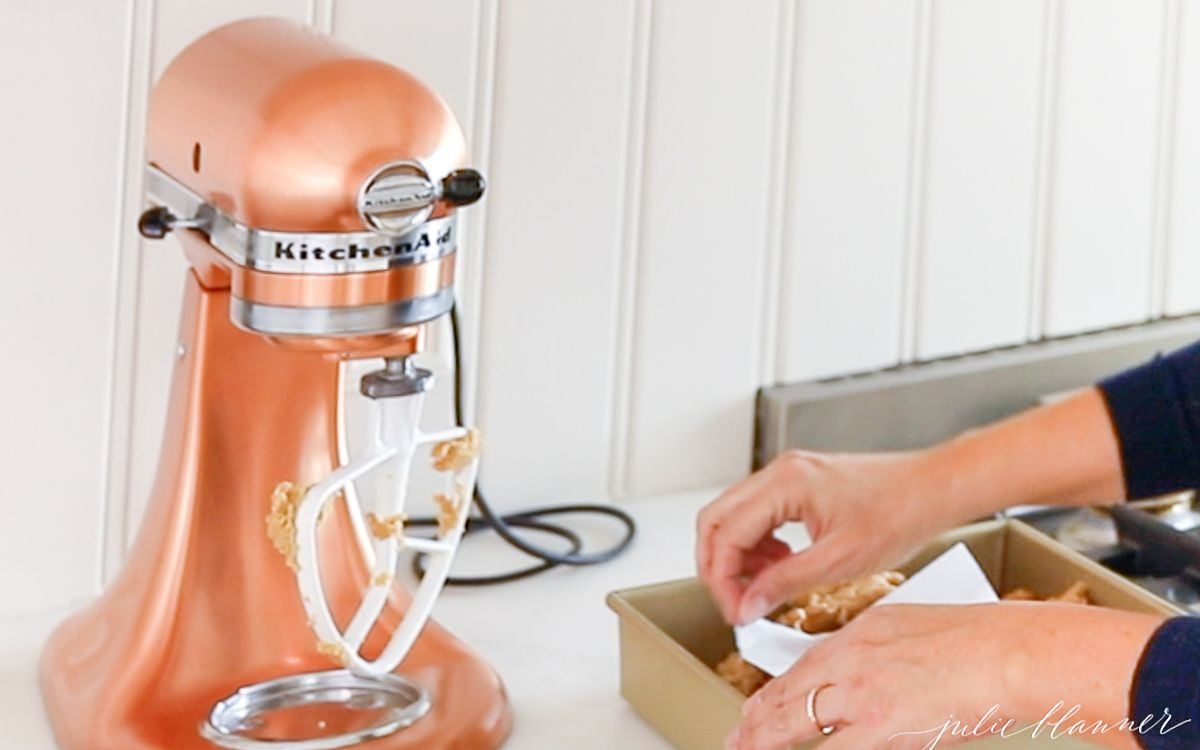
(382, 579)
(449, 509)
(334, 651)
(452, 455)
(743, 675)
(281, 521)
(382, 528)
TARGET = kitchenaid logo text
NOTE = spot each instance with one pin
(413, 246)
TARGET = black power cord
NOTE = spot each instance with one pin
(506, 525)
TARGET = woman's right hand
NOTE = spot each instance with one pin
(869, 511)
(864, 513)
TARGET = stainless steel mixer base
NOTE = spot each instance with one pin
(315, 711)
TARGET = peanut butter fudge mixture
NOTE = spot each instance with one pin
(1076, 593)
(829, 608)
(452, 455)
(382, 528)
(281, 520)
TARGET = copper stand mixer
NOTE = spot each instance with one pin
(314, 192)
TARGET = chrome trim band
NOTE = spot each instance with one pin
(277, 320)
(302, 252)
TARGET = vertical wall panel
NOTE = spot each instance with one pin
(980, 177)
(160, 291)
(553, 247)
(849, 165)
(1183, 229)
(1104, 170)
(696, 356)
(129, 182)
(63, 82)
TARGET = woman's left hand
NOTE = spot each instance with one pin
(901, 676)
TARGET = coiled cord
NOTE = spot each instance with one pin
(506, 525)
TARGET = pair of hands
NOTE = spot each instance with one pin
(900, 676)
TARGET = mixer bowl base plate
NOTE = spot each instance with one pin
(315, 711)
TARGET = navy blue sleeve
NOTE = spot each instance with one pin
(1165, 697)
(1155, 409)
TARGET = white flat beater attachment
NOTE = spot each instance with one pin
(397, 393)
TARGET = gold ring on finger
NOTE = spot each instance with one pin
(810, 706)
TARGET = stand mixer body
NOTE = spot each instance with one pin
(275, 127)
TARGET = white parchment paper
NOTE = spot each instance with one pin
(952, 578)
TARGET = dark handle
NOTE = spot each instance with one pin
(462, 187)
(154, 223)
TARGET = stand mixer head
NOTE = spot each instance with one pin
(314, 192)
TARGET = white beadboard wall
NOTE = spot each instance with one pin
(689, 199)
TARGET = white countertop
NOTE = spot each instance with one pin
(560, 665)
